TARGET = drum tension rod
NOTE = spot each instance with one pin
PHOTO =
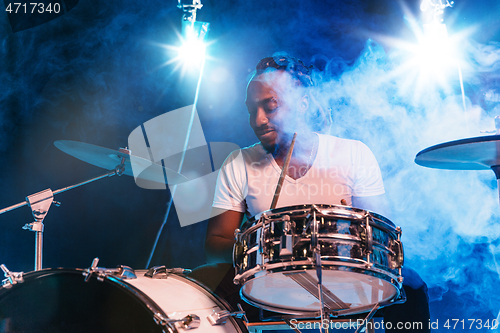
(161, 272)
(220, 318)
(12, 278)
(188, 322)
(123, 272)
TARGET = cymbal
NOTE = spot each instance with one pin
(478, 153)
(108, 159)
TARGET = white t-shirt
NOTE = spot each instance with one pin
(342, 169)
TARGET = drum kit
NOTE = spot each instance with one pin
(307, 261)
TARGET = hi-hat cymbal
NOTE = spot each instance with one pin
(108, 159)
(478, 153)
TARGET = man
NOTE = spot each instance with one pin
(322, 170)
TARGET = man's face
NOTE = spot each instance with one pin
(272, 101)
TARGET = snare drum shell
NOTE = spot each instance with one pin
(263, 268)
(341, 236)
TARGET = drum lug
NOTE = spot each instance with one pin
(265, 247)
(12, 278)
(126, 272)
(219, 318)
(287, 239)
(400, 255)
(238, 249)
(369, 241)
(191, 321)
(123, 272)
(161, 272)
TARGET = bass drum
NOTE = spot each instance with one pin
(65, 300)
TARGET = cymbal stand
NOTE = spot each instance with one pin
(40, 203)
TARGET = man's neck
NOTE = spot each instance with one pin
(304, 153)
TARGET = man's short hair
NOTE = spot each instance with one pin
(289, 64)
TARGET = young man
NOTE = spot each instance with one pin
(322, 170)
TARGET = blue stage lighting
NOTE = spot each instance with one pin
(192, 50)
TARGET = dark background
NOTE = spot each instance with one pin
(97, 72)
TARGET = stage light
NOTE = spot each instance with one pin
(189, 53)
(192, 50)
(435, 53)
(434, 60)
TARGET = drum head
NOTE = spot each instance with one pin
(278, 292)
(59, 300)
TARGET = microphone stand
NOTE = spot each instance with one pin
(40, 203)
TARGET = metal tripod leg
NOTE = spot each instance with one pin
(369, 317)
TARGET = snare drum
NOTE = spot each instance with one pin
(359, 253)
(60, 300)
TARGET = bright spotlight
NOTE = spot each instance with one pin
(435, 52)
(192, 50)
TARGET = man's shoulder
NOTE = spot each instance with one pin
(248, 154)
(253, 152)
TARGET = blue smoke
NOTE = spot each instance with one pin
(449, 218)
(95, 74)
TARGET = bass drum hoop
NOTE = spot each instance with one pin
(220, 302)
(139, 297)
(110, 281)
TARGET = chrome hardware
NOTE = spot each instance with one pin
(238, 248)
(219, 318)
(12, 278)
(188, 322)
(241, 278)
(287, 239)
(400, 259)
(93, 267)
(369, 242)
(123, 272)
(39, 203)
(161, 272)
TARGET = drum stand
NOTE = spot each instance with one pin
(40, 203)
(325, 310)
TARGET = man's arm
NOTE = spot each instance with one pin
(219, 239)
(376, 203)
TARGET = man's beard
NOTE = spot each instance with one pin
(280, 145)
